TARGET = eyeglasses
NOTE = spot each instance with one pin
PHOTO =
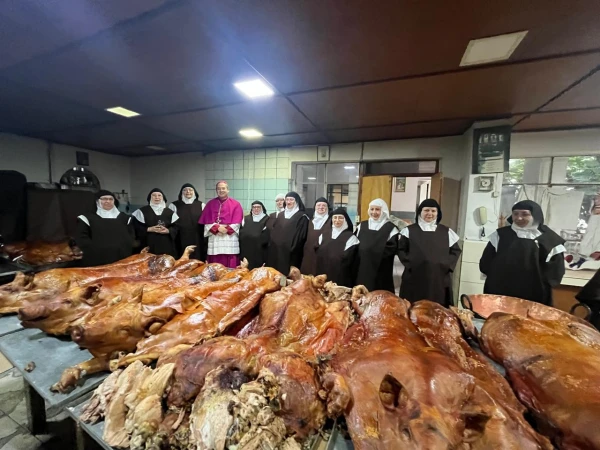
(107, 199)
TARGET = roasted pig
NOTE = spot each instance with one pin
(39, 253)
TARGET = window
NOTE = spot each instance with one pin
(567, 188)
(337, 195)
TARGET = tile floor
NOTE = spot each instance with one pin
(13, 420)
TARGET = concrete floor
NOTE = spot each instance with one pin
(13, 420)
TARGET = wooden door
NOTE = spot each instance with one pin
(436, 188)
(372, 187)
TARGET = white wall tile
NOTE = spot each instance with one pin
(270, 173)
(271, 163)
(259, 173)
(283, 163)
(259, 164)
(472, 250)
(470, 273)
(281, 152)
(238, 164)
(259, 153)
(228, 165)
(271, 153)
(469, 288)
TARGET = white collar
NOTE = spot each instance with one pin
(335, 231)
(107, 214)
(288, 213)
(258, 217)
(427, 226)
(158, 209)
(529, 232)
(319, 220)
(187, 201)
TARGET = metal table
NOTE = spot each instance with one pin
(85, 431)
(51, 356)
(9, 324)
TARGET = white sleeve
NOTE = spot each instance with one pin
(203, 205)
(321, 239)
(452, 237)
(84, 220)
(351, 242)
(175, 218)
(243, 221)
(207, 232)
(404, 232)
(357, 229)
(235, 227)
(139, 215)
(128, 221)
(173, 208)
(494, 239)
(555, 251)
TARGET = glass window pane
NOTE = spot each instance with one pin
(401, 168)
(528, 170)
(576, 169)
(341, 173)
(310, 173)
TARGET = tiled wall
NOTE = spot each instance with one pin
(251, 174)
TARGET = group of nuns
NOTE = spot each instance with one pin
(523, 259)
(110, 235)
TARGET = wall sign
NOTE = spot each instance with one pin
(491, 149)
(83, 158)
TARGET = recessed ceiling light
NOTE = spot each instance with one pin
(155, 147)
(122, 111)
(491, 49)
(311, 178)
(349, 167)
(254, 88)
(250, 133)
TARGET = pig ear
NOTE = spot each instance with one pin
(188, 303)
(392, 393)
(145, 250)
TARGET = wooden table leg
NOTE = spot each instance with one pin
(36, 410)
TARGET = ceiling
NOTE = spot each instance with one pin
(343, 71)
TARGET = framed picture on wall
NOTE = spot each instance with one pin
(400, 184)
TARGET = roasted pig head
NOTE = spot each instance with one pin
(40, 253)
(56, 314)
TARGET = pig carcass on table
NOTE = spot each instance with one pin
(507, 427)
(116, 327)
(44, 285)
(40, 253)
(554, 367)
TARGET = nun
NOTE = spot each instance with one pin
(279, 206)
(337, 250)
(316, 226)
(524, 259)
(429, 252)
(108, 235)
(286, 243)
(189, 231)
(155, 224)
(377, 248)
(254, 236)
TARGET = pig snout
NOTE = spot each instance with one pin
(31, 313)
(77, 334)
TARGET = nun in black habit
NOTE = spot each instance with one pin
(155, 224)
(429, 252)
(106, 236)
(337, 250)
(254, 236)
(279, 207)
(189, 231)
(524, 259)
(319, 223)
(378, 243)
(288, 236)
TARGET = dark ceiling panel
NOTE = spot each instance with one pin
(414, 130)
(491, 92)
(309, 44)
(271, 116)
(33, 27)
(167, 63)
(167, 149)
(124, 133)
(585, 95)
(269, 141)
(558, 120)
(26, 110)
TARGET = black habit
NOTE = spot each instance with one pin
(254, 241)
(518, 268)
(428, 261)
(189, 231)
(376, 254)
(340, 265)
(309, 257)
(160, 244)
(105, 241)
(287, 241)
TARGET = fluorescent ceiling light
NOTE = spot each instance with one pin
(122, 111)
(254, 88)
(250, 133)
(311, 178)
(349, 167)
(491, 49)
(155, 147)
